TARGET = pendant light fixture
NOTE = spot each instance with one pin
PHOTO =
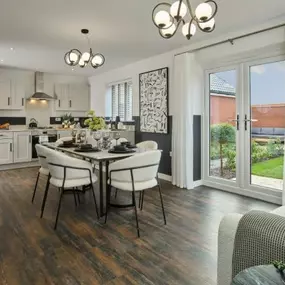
(167, 18)
(75, 57)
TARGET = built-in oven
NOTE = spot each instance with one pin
(51, 137)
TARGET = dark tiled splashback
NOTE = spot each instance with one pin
(13, 120)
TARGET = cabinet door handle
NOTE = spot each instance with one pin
(8, 101)
(59, 103)
(30, 138)
(22, 101)
(11, 147)
(70, 104)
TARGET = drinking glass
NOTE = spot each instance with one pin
(97, 137)
(117, 136)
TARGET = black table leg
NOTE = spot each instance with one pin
(101, 189)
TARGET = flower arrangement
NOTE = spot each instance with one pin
(93, 122)
(67, 120)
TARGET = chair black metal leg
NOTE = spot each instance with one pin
(108, 193)
(95, 202)
(162, 206)
(78, 197)
(58, 208)
(142, 199)
(36, 187)
(45, 197)
(116, 193)
(74, 195)
(136, 212)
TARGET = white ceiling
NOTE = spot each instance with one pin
(42, 31)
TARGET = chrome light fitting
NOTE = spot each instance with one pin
(167, 18)
(74, 56)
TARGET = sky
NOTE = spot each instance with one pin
(267, 82)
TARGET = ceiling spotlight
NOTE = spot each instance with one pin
(75, 57)
(11, 48)
(2, 60)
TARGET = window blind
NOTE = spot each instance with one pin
(122, 101)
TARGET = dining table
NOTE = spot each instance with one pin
(103, 158)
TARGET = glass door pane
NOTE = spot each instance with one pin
(223, 124)
(267, 106)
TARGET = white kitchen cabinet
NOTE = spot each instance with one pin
(12, 93)
(6, 148)
(62, 101)
(22, 147)
(72, 97)
(5, 93)
(18, 94)
(79, 97)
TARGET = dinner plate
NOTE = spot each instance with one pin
(94, 149)
(121, 151)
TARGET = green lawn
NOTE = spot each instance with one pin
(271, 168)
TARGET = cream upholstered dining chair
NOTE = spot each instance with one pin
(42, 153)
(67, 173)
(147, 145)
(135, 174)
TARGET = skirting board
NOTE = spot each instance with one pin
(19, 165)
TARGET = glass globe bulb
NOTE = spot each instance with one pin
(162, 19)
(86, 56)
(207, 26)
(66, 59)
(167, 33)
(97, 60)
(204, 12)
(82, 63)
(174, 10)
(185, 30)
(73, 57)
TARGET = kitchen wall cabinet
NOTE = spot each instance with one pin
(72, 97)
(12, 94)
(6, 148)
(22, 147)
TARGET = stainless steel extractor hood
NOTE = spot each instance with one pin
(39, 88)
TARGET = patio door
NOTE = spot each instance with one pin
(245, 129)
(265, 124)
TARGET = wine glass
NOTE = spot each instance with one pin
(97, 138)
(106, 140)
(117, 136)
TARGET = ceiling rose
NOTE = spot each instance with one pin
(76, 57)
(167, 18)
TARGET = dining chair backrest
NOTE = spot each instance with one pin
(143, 165)
(62, 166)
(148, 145)
(43, 152)
(118, 142)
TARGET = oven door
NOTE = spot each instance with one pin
(35, 140)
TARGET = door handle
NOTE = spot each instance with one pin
(22, 101)
(70, 104)
(237, 122)
(246, 120)
(59, 103)
(8, 101)
(30, 138)
(11, 147)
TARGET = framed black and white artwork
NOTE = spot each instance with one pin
(153, 89)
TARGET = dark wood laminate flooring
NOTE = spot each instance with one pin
(85, 251)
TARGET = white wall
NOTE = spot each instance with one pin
(39, 110)
(268, 43)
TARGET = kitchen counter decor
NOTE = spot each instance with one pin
(93, 122)
(67, 120)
